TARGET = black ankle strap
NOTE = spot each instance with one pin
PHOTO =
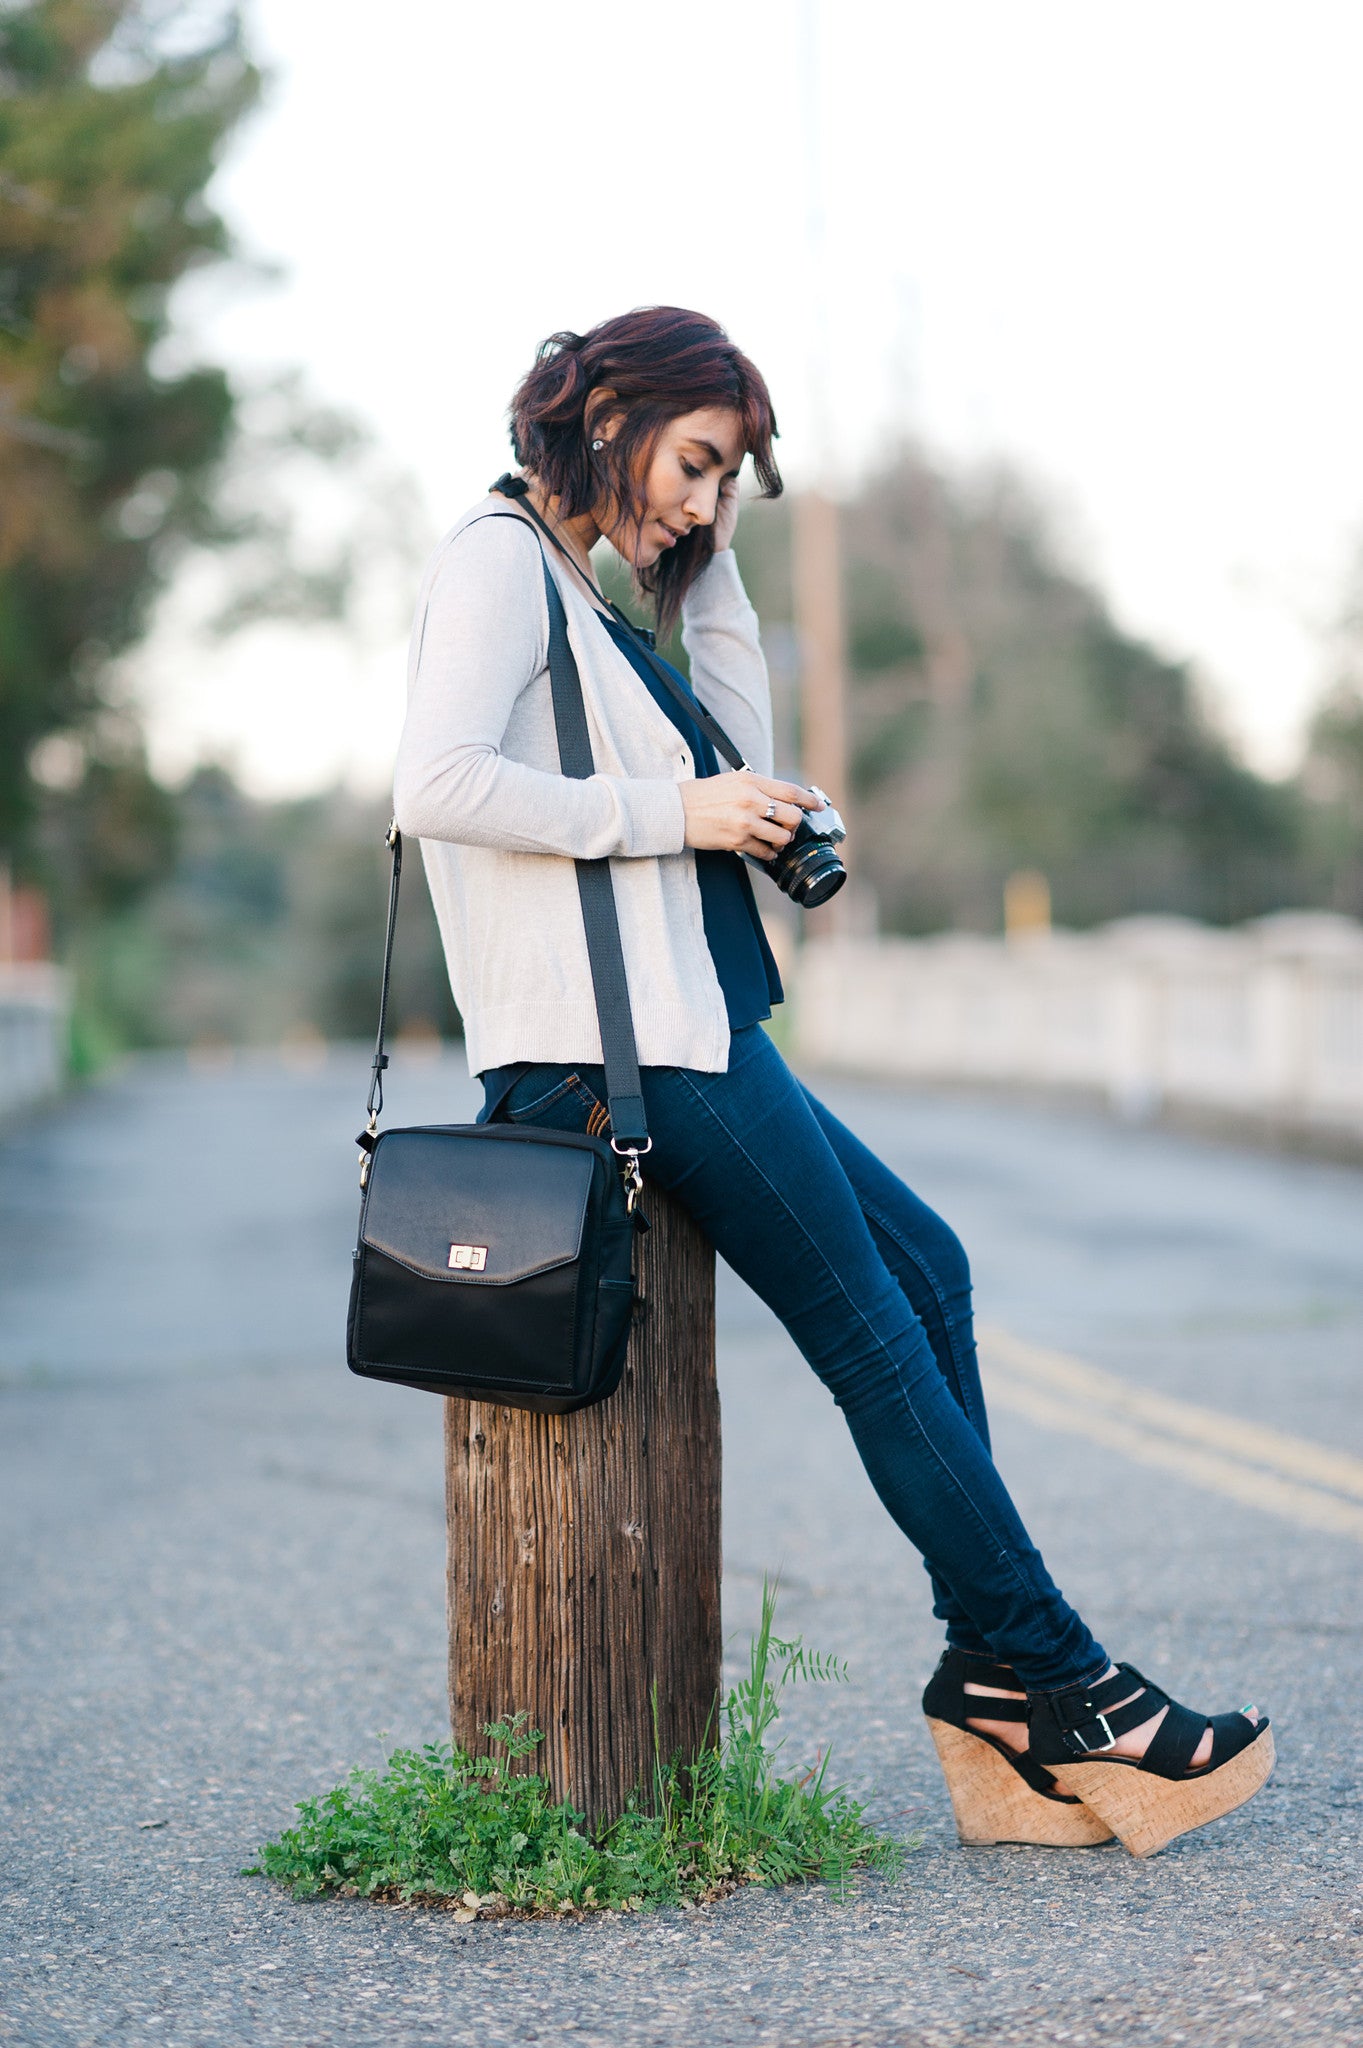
(1091, 1717)
(968, 1670)
(980, 1671)
(983, 1706)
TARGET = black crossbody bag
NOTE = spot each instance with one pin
(495, 1262)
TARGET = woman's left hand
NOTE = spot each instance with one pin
(726, 513)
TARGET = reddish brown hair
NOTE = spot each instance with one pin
(653, 365)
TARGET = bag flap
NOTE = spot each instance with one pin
(455, 1205)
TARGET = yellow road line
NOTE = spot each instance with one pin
(1306, 1505)
(1295, 1457)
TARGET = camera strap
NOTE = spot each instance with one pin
(515, 487)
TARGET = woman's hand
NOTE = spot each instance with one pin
(726, 514)
(728, 813)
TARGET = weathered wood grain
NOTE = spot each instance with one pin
(584, 1549)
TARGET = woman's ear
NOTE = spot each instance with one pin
(603, 416)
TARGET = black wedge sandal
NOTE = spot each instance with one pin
(998, 1795)
(1147, 1800)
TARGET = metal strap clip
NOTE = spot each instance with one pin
(629, 1172)
(368, 1138)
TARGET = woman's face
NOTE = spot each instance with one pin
(696, 461)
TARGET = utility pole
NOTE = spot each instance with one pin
(816, 550)
(817, 577)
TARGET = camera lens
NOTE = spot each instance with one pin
(809, 874)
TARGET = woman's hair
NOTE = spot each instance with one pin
(650, 366)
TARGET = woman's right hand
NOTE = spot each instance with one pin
(727, 813)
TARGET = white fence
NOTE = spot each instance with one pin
(34, 1016)
(1264, 1022)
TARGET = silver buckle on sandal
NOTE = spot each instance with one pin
(1088, 1748)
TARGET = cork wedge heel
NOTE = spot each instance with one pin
(992, 1803)
(1150, 1800)
(997, 1796)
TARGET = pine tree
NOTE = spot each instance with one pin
(110, 130)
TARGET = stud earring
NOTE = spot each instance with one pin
(597, 446)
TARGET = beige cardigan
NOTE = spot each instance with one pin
(477, 780)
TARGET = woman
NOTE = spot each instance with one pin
(637, 431)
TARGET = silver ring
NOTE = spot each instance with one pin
(769, 813)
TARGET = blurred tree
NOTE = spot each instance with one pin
(109, 134)
(1332, 772)
(1001, 719)
(265, 923)
(117, 830)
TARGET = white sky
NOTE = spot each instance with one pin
(1117, 245)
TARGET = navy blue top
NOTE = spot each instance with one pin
(738, 945)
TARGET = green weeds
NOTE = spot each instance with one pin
(443, 1827)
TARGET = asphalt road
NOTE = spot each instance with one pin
(222, 1587)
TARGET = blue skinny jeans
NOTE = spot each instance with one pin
(874, 1288)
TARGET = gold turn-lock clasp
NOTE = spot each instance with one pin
(468, 1258)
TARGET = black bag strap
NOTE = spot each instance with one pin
(515, 487)
(596, 892)
(393, 841)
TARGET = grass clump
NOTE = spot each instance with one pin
(441, 1826)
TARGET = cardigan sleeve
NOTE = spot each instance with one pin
(481, 638)
(728, 669)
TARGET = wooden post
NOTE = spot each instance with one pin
(584, 1549)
